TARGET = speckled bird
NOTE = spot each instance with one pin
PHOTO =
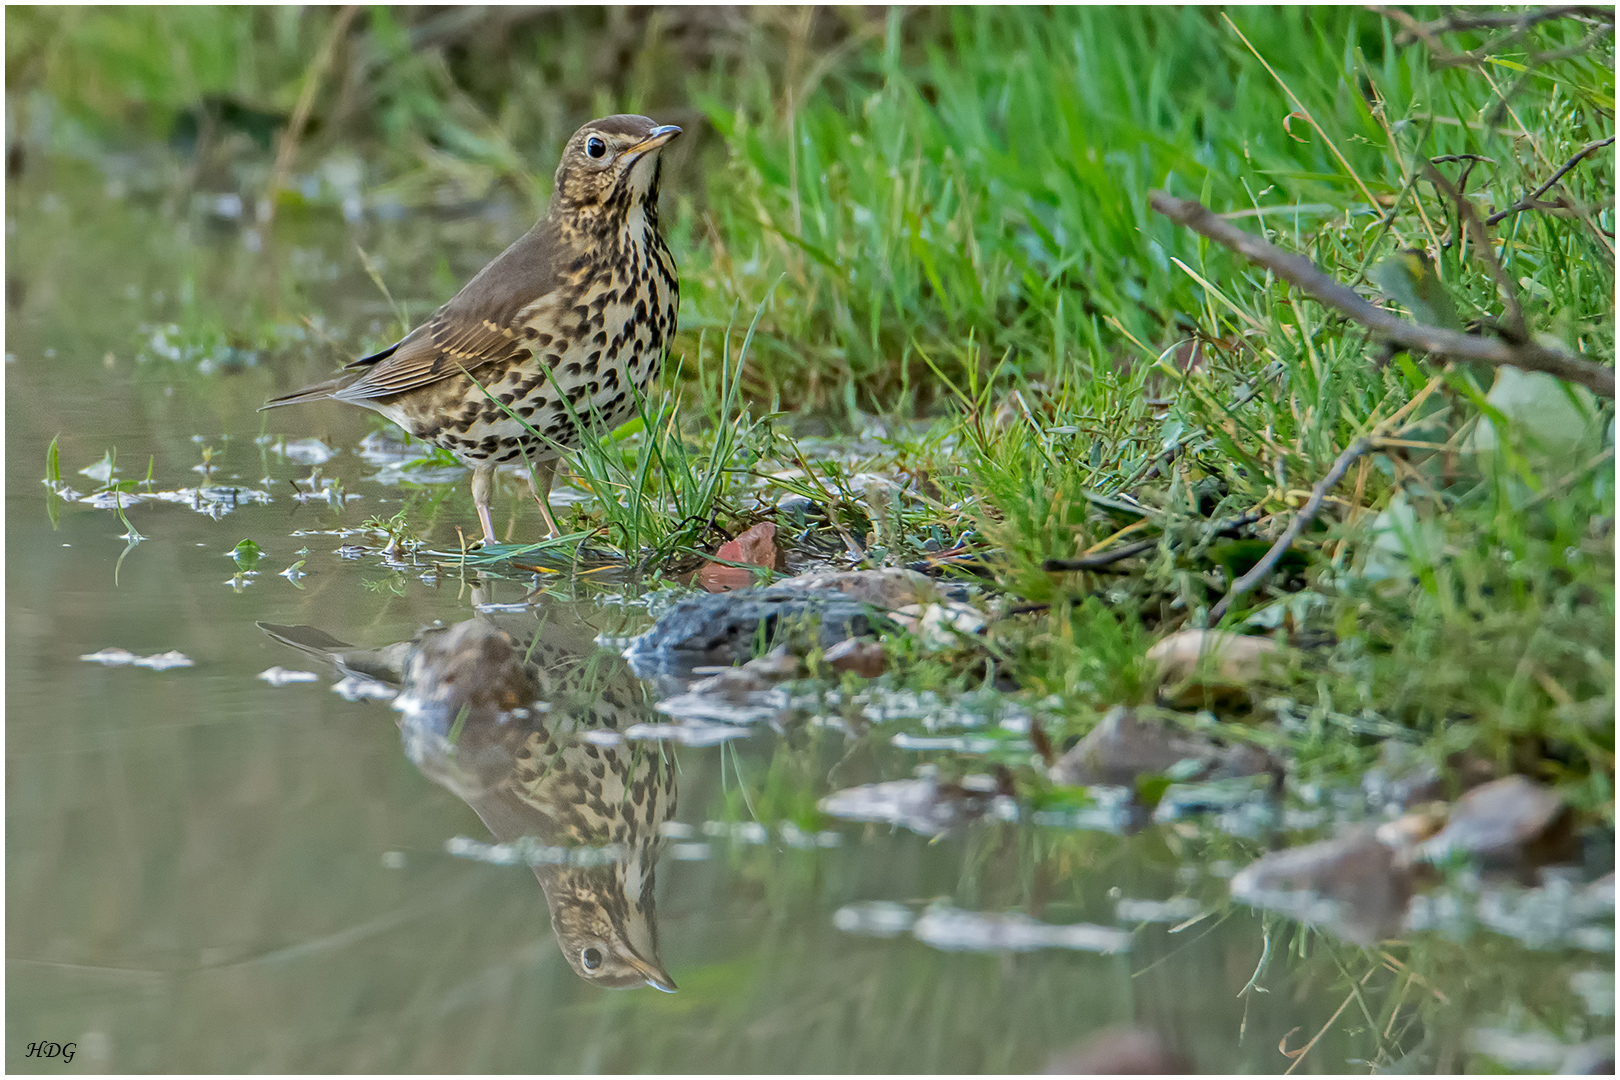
(499, 716)
(562, 329)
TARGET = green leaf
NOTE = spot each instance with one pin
(247, 554)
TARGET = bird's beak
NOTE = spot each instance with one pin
(656, 977)
(657, 137)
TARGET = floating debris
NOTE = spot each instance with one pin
(975, 709)
(795, 837)
(493, 608)
(688, 732)
(1558, 914)
(689, 852)
(955, 930)
(963, 744)
(102, 471)
(123, 657)
(875, 918)
(280, 676)
(738, 832)
(1176, 910)
(110, 500)
(528, 851)
(924, 805)
(359, 688)
(736, 697)
(305, 451)
(214, 500)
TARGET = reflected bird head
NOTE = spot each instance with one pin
(608, 933)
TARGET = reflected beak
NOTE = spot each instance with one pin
(656, 977)
(657, 137)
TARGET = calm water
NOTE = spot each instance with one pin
(207, 872)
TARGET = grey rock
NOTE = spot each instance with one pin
(1124, 747)
(725, 628)
(1351, 885)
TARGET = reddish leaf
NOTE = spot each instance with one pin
(756, 547)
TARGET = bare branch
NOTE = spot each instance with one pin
(1306, 515)
(1529, 202)
(1299, 271)
(1232, 527)
(1519, 24)
(306, 102)
(1097, 562)
(1468, 221)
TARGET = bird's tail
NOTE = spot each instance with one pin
(318, 392)
(385, 665)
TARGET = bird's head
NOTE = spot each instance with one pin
(609, 938)
(612, 163)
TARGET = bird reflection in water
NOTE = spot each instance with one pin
(512, 719)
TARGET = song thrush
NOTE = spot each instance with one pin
(500, 719)
(563, 328)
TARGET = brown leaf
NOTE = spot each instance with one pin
(756, 547)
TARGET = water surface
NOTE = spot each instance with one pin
(210, 873)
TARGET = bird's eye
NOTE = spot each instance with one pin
(596, 148)
(591, 958)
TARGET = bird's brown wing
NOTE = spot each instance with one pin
(481, 325)
(443, 346)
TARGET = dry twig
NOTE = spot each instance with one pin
(1299, 271)
(301, 111)
(1518, 25)
(1468, 221)
(1306, 515)
(1530, 201)
(1232, 527)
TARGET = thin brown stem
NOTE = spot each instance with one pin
(1486, 251)
(1299, 271)
(301, 111)
(1529, 202)
(1306, 515)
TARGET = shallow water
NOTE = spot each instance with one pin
(207, 871)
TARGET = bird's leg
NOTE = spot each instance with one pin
(540, 478)
(482, 478)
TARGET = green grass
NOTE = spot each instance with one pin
(948, 222)
(937, 226)
(944, 214)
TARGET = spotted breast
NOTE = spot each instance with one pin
(560, 332)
